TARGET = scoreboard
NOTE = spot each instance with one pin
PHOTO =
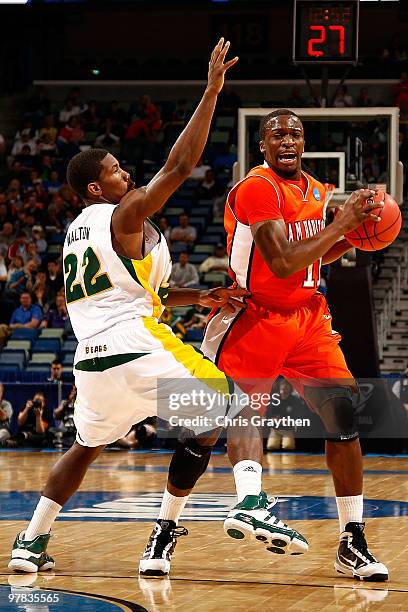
(325, 31)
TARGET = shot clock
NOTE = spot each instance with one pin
(325, 31)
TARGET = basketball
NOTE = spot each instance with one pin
(376, 235)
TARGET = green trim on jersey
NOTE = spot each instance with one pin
(127, 262)
(100, 364)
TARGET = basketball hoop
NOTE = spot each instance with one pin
(329, 193)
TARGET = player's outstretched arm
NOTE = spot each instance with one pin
(138, 204)
(285, 258)
(230, 297)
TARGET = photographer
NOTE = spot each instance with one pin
(33, 422)
(65, 433)
(6, 412)
(290, 405)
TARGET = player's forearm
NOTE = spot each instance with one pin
(337, 250)
(183, 297)
(189, 146)
(295, 256)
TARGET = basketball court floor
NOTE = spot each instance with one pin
(102, 531)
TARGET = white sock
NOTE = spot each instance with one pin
(172, 507)
(350, 509)
(248, 478)
(44, 515)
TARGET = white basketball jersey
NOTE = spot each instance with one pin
(103, 288)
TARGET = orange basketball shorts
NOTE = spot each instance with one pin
(258, 343)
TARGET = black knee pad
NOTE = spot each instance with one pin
(188, 463)
(334, 405)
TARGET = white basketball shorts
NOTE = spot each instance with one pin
(138, 369)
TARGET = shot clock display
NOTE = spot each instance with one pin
(325, 31)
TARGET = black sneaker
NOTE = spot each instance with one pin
(156, 558)
(354, 559)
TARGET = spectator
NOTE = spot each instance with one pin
(180, 113)
(39, 239)
(147, 121)
(71, 133)
(18, 277)
(27, 159)
(53, 185)
(218, 262)
(42, 297)
(33, 422)
(91, 117)
(195, 318)
(117, 115)
(6, 236)
(198, 173)
(55, 372)
(49, 130)
(6, 412)
(183, 232)
(19, 246)
(184, 274)
(177, 121)
(70, 110)
(207, 186)
(219, 203)
(164, 228)
(107, 139)
(57, 317)
(17, 263)
(55, 279)
(290, 405)
(27, 314)
(364, 98)
(25, 140)
(33, 206)
(65, 415)
(16, 172)
(343, 98)
(46, 146)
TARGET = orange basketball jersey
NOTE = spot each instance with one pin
(262, 195)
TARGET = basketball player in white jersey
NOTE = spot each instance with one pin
(116, 266)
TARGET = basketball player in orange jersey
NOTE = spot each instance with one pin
(277, 241)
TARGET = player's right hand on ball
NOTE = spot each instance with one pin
(358, 208)
(217, 68)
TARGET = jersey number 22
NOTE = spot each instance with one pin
(94, 282)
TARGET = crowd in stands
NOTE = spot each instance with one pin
(37, 207)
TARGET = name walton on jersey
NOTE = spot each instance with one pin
(79, 233)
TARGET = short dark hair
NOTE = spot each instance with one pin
(276, 113)
(84, 168)
(56, 362)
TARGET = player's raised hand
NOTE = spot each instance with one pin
(216, 66)
(224, 296)
(357, 208)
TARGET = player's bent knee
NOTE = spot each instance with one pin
(335, 408)
(189, 462)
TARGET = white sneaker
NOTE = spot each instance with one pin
(355, 560)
